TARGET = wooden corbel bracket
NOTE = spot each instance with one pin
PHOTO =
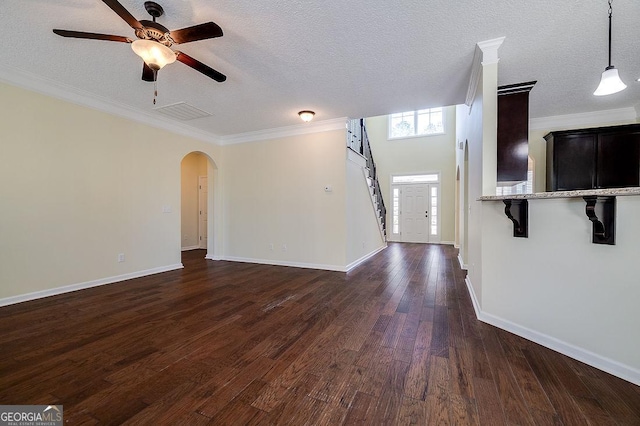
(601, 211)
(518, 212)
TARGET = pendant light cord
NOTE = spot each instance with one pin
(610, 14)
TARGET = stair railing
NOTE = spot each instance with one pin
(358, 140)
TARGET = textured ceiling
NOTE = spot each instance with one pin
(357, 58)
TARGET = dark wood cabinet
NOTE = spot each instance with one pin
(618, 159)
(605, 157)
(513, 132)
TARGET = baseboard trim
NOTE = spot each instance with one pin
(212, 257)
(462, 265)
(191, 248)
(364, 258)
(336, 268)
(600, 362)
(474, 298)
(81, 286)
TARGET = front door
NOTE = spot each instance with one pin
(419, 213)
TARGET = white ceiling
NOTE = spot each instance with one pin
(358, 58)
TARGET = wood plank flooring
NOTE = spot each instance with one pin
(394, 342)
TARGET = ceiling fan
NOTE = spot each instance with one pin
(154, 41)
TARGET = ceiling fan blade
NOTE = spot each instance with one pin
(197, 32)
(93, 36)
(123, 13)
(147, 73)
(199, 66)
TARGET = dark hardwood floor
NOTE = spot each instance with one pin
(393, 342)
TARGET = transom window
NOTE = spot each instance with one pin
(416, 123)
(428, 178)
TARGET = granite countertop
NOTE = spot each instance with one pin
(564, 194)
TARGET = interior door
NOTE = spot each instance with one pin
(419, 213)
(202, 212)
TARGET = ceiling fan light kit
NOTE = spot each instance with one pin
(610, 82)
(154, 54)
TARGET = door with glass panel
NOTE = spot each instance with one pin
(416, 212)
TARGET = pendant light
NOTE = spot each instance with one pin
(610, 82)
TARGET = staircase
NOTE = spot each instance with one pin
(358, 141)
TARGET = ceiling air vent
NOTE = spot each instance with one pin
(182, 111)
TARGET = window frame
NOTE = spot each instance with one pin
(415, 124)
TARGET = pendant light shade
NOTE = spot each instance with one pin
(610, 82)
(154, 54)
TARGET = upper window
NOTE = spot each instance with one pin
(416, 123)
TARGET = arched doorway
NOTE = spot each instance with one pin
(198, 174)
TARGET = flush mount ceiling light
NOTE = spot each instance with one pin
(610, 82)
(306, 115)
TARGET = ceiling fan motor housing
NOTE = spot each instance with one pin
(153, 31)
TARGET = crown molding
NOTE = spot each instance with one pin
(35, 83)
(511, 89)
(585, 119)
(490, 50)
(282, 132)
(486, 53)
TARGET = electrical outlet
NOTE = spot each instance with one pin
(120, 257)
(284, 247)
(271, 246)
(186, 237)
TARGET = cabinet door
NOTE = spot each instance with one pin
(574, 161)
(618, 160)
(513, 137)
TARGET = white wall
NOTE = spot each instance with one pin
(578, 297)
(415, 155)
(462, 117)
(480, 136)
(274, 194)
(363, 231)
(77, 187)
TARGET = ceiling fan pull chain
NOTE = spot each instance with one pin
(155, 85)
